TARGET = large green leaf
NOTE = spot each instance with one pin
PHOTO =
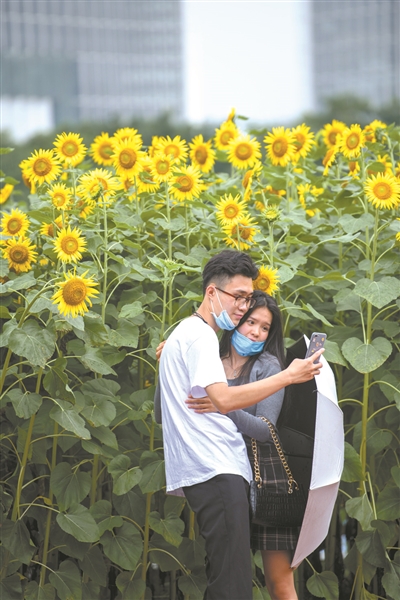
(67, 581)
(365, 358)
(123, 546)
(316, 314)
(94, 566)
(131, 505)
(131, 310)
(15, 537)
(378, 293)
(388, 504)
(94, 361)
(333, 354)
(99, 412)
(191, 553)
(7, 329)
(153, 477)
(79, 523)
(171, 527)
(124, 476)
(101, 511)
(25, 403)
(361, 509)
(10, 588)
(70, 486)
(67, 416)
(377, 438)
(33, 342)
(347, 300)
(101, 389)
(352, 464)
(193, 584)
(391, 579)
(56, 381)
(324, 585)
(370, 544)
(68, 544)
(130, 588)
(105, 435)
(33, 591)
(126, 334)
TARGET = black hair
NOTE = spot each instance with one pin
(225, 265)
(274, 342)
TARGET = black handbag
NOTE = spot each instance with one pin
(271, 509)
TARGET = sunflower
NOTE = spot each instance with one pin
(175, 149)
(201, 154)
(331, 131)
(383, 191)
(267, 280)
(102, 150)
(69, 148)
(244, 152)
(41, 167)
(271, 213)
(60, 196)
(303, 141)
(153, 149)
(185, 184)
(145, 180)
(74, 294)
(370, 130)
(47, 229)
(250, 174)
(329, 158)
(354, 168)
(231, 115)
(241, 233)
(270, 190)
(280, 146)
(225, 134)
(16, 223)
(69, 244)
(229, 209)
(351, 140)
(386, 163)
(6, 192)
(303, 189)
(98, 183)
(20, 253)
(128, 133)
(128, 157)
(162, 168)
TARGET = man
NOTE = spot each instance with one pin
(205, 455)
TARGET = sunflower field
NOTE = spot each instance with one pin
(101, 260)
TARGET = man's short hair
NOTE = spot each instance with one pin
(225, 265)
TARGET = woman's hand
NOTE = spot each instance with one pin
(201, 405)
(159, 349)
(301, 370)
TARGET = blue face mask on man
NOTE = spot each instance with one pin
(223, 320)
(244, 346)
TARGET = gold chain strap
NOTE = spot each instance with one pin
(257, 477)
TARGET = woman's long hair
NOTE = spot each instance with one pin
(274, 342)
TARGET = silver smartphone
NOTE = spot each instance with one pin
(317, 341)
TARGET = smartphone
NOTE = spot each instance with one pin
(317, 342)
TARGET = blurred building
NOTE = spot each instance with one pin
(91, 59)
(356, 49)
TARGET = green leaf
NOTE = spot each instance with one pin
(8, 328)
(316, 314)
(126, 334)
(70, 487)
(395, 472)
(153, 477)
(124, 546)
(67, 416)
(94, 566)
(361, 509)
(101, 511)
(391, 580)
(15, 537)
(67, 581)
(370, 545)
(99, 412)
(93, 360)
(191, 553)
(347, 300)
(33, 342)
(101, 389)
(388, 504)
(70, 545)
(324, 585)
(352, 464)
(22, 282)
(333, 354)
(129, 311)
(163, 554)
(365, 358)
(35, 592)
(10, 588)
(79, 523)
(131, 505)
(130, 588)
(378, 293)
(171, 528)
(377, 438)
(124, 477)
(56, 382)
(193, 585)
(25, 404)
(105, 435)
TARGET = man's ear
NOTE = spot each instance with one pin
(210, 291)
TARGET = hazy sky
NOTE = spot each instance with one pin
(251, 55)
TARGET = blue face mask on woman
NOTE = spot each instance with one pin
(223, 320)
(244, 346)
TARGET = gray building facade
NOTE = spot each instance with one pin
(95, 59)
(356, 49)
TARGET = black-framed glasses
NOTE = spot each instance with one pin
(248, 301)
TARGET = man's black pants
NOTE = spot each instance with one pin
(222, 508)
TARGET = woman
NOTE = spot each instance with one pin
(255, 350)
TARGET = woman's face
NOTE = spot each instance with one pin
(257, 325)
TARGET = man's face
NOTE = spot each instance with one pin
(232, 296)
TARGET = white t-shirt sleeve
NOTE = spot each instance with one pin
(204, 364)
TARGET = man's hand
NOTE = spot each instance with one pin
(301, 370)
(159, 349)
(201, 405)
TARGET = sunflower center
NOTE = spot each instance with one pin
(263, 283)
(70, 148)
(300, 140)
(201, 155)
(162, 167)
(172, 150)
(14, 225)
(106, 151)
(243, 151)
(226, 137)
(69, 244)
(185, 183)
(231, 211)
(50, 230)
(279, 147)
(19, 254)
(382, 190)
(353, 141)
(127, 158)
(59, 199)
(332, 136)
(41, 167)
(244, 232)
(74, 292)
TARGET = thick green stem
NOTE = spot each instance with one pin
(105, 263)
(5, 369)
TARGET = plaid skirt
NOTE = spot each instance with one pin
(271, 470)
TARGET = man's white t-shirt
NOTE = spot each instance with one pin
(197, 447)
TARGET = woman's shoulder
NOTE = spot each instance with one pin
(267, 363)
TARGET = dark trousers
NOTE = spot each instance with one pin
(222, 509)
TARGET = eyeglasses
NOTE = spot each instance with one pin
(248, 301)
